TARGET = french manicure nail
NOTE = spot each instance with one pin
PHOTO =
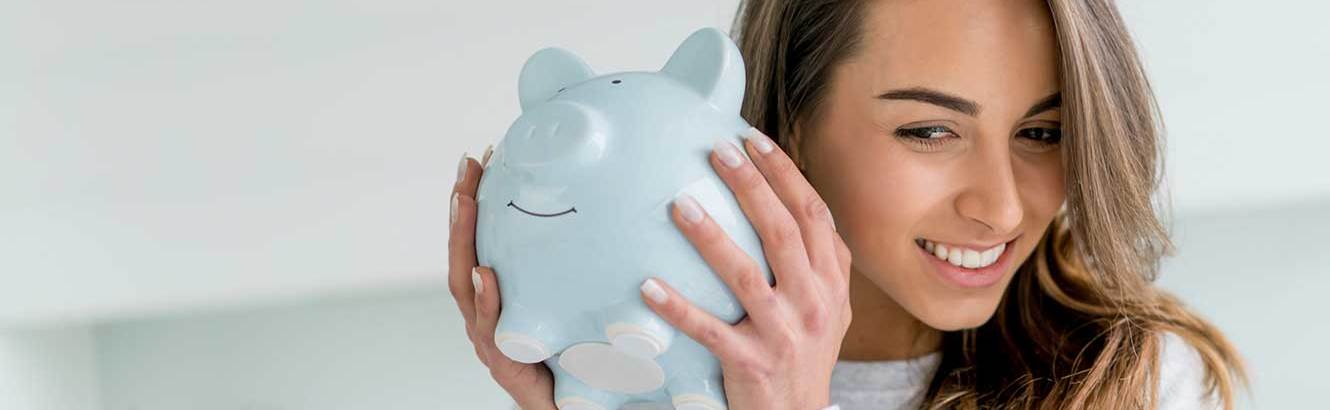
(476, 282)
(653, 291)
(461, 168)
(452, 217)
(485, 159)
(688, 207)
(729, 155)
(759, 140)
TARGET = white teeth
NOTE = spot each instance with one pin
(971, 259)
(967, 258)
(956, 257)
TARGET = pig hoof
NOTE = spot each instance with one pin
(635, 340)
(577, 403)
(521, 348)
(603, 367)
(695, 402)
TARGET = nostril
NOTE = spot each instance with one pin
(554, 130)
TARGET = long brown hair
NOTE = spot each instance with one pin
(1082, 322)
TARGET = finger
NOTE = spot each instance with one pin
(712, 333)
(805, 205)
(734, 266)
(485, 159)
(462, 255)
(487, 306)
(487, 319)
(781, 238)
(844, 256)
(462, 236)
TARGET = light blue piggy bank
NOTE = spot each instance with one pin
(574, 213)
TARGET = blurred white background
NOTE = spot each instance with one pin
(243, 204)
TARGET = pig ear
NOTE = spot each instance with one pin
(546, 72)
(710, 63)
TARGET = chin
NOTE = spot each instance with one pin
(952, 319)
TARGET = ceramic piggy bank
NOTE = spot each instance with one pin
(574, 213)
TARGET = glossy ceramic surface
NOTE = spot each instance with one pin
(574, 213)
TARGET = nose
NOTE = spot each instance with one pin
(559, 132)
(991, 197)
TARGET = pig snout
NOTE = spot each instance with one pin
(558, 132)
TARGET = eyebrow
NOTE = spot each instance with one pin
(961, 105)
(1048, 103)
(934, 97)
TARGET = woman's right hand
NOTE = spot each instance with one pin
(476, 291)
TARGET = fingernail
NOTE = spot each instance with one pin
(461, 168)
(729, 155)
(476, 282)
(760, 140)
(688, 207)
(653, 291)
(485, 159)
(452, 217)
(832, 220)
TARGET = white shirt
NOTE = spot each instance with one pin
(900, 384)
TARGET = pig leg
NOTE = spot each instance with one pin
(632, 328)
(572, 394)
(529, 337)
(691, 393)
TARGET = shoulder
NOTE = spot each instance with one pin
(1182, 376)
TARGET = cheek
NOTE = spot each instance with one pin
(887, 196)
(1042, 187)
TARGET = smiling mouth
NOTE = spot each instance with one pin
(572, 210)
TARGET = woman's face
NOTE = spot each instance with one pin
(943, 127)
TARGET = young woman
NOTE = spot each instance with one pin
(990, 166)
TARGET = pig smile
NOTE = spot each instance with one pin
(573, 210)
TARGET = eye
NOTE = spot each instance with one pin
(1041, 137)
(930, 136)
(616, 81)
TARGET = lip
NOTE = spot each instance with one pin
(572, 210)
(970, 278)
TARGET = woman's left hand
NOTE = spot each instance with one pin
(781, 355)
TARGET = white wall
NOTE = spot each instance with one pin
(393, 351)
(1262, 275)
(52, 368)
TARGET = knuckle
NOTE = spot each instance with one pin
(457, 291)
(709, 336)
(785, 234)
(710, 234)
(749, 180)
(752, 282)
(485, 309)
(815, 208)
(814, 317)
(783, 167)
(480, 354)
